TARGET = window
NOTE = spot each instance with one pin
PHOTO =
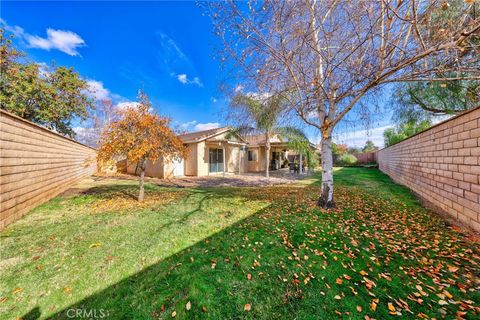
(252, 155)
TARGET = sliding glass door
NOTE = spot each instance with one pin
(215, 157)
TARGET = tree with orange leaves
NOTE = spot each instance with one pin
(140, 135)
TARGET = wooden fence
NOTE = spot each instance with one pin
(36, 164)
(369, 157)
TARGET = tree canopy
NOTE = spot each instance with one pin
(52, 97)
(328, 56)
(424, 99)
(404, 130)
(140, 135)
(258, 114)
(369, 147)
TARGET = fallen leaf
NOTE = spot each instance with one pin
(391, 307)
(337, 297)
(442, 302)
(249, 276)
(373, 304)
(452, 268)
(17, 290)
(174, 313)
(359, 308)
(94, 245)
(188, 306)
(247, 307)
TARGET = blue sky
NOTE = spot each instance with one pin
(164, 48)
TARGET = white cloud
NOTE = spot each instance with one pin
(206, 126)
(196, 80)
(63, 40)
(169, 49)
(15, 30)
(359, 137)
(187, 125)
(43, 69)
(127, 105)
(97, 90)
(122, 106)
(239, 88)
(183, 78)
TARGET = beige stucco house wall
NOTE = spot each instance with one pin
(158, 169)
(197, 160)
(233, 151)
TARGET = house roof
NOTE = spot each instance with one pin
(259, 140)
(198, 136)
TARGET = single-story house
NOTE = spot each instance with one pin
(220, 151)
(279, 152)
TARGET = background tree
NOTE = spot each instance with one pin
(338, 150)
(52, 98)
(369, 147)
(263, 112)
(298, 141)
(328, 56)
(404, 130)
(100, 117)
(415, 100)
(140, 135)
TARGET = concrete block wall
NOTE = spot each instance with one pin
(442, 166)
(36, 164)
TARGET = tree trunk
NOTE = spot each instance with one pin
(267, 155)
(300, 164)
(326, 196)
(141, 194)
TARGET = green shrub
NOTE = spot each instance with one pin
(347, 159)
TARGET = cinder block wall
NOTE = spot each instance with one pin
(36, 164)
(442, 166)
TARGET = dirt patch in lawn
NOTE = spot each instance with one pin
(122, 202)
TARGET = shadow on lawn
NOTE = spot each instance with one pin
(211, 274)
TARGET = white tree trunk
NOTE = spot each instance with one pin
(267, 155)
(326, 196)
(141, 193)
(300, 164)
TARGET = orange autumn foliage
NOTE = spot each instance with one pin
(140, 134)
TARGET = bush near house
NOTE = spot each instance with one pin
(346, 160)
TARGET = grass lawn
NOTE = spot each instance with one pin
(254, 253)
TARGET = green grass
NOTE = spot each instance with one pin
(101, 252)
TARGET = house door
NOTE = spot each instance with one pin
(215, 157)
(178, 167)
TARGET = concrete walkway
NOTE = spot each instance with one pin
(282, 176)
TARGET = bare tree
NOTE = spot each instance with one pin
(326, 56)
(101, 117)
